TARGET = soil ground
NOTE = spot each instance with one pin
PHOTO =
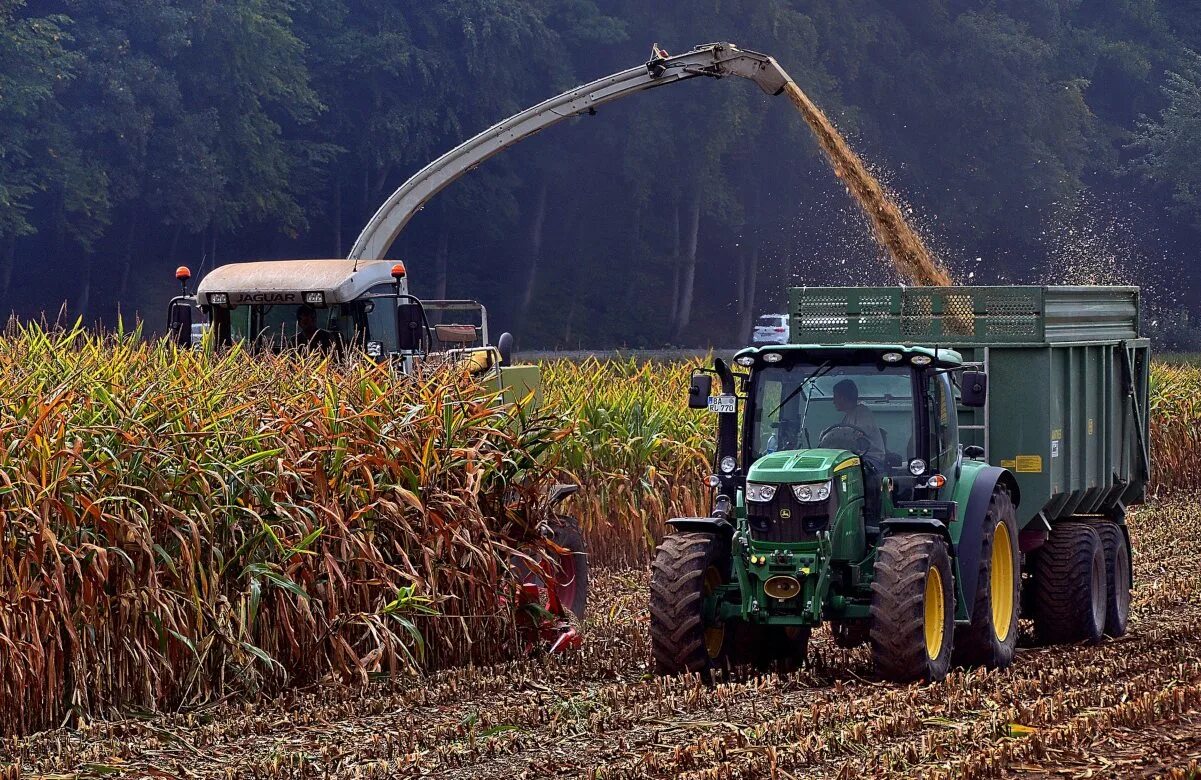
(1130, 707)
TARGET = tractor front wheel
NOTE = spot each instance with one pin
(1070, 586)
(913, 608)
(687, 571)
(992, 637)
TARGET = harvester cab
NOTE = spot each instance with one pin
(341, 306)
(852, 484)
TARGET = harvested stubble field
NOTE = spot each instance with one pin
(1126, 708)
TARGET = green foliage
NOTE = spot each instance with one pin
(139, 134)
(1171, 145)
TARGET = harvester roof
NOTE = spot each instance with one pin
(284, 280)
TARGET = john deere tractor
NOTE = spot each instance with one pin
(852, 486)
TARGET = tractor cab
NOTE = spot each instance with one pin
(341, 306)
(885, 414)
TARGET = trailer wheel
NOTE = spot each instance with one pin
(571, 566)
(687, 569)
(1117, 570)
(1070, 586)
(992, 637)
(913, 608)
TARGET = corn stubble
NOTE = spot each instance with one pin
(178, 527)
(1118, 708)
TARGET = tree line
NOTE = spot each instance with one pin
(1032, 140)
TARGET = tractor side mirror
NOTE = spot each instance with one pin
(179, 323)
(410, 327)
(974, 389)
(698, 391)
(504, 345)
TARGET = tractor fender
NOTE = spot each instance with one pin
(917, 525)
(718, 526)
(971, 536)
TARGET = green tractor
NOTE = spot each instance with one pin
(850, 489)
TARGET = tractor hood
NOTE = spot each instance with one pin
(793, 466)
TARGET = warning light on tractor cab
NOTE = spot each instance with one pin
(937, 481)
(183, 273)
(398, 271)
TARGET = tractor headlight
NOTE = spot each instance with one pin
(218, 299)
(746, 361)
(760, 494)
(813, 492)
(728, 464)
(314, 298)
(917, 467)
(772, 357)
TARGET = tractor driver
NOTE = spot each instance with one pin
(308, 335)
(846, 400)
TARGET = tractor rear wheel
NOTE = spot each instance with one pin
(570, 565)
(992, 637)
(1117, 569)
(913, 608)
(688, 568)
(1070, 586)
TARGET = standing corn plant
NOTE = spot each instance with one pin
(176, 526)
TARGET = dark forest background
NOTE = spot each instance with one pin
(1033, 140)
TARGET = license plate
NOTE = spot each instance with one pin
(722, 404)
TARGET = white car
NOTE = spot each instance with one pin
(771, 329)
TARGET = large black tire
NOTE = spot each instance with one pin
(1117, 571)
(686, 569)
(913, 608)
(571, 573)
(992, 637)
(1070, 586)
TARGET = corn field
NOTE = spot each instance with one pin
(208, 535)
(177, 527)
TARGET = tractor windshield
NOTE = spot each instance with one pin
(866, 408)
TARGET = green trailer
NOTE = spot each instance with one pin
(868, 477)
(1067, 407)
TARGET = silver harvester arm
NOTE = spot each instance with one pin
(715, 60)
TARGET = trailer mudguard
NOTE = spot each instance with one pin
(971, 535)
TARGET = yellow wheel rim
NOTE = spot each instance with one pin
(715, 636)
(935, 614)
(1001, 583)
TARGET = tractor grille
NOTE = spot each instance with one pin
(784, 519)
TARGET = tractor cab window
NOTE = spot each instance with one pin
(944, 433)
(866, 408)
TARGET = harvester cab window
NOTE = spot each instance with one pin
(277, 328)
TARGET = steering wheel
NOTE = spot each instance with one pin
(862, 434)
